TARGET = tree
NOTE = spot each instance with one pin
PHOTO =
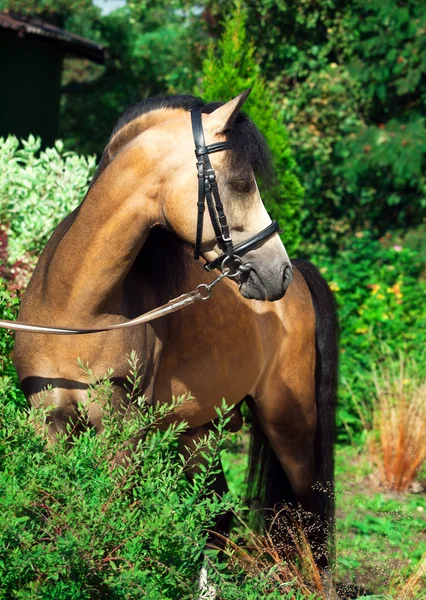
(148, 54)
(351, 76)
(230, 68)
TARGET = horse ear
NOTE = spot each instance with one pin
(223, 117)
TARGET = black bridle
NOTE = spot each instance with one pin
(208, 193)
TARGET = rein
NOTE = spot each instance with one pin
(208, 193)
(201, 293)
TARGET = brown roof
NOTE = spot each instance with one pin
(68, 42)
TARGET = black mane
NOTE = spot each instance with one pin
(247, 143)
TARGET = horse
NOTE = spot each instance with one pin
(268, 335)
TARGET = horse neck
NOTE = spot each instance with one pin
(88, 267)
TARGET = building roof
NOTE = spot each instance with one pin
(33, 28)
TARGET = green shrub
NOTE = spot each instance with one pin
(37, 190)
(9, 304)
(73, 527)
(351, 78)
(228, 70)
(380, 297)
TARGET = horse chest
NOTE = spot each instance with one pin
(210, 355)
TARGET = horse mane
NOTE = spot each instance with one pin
(164, 256)
(248, 145)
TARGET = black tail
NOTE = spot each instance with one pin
(267, 482)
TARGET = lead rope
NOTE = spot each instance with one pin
(201, 293)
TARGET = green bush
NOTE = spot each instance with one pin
(37, 190)
(381, 300)
(9, 304)
(351, 79)
(228, 70)
(71, 526)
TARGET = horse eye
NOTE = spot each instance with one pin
(241, 186)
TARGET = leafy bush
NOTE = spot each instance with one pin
(228, 70)
(9, 304)
(37, 190)
(381, 300)
(351, 78)
(71, 526)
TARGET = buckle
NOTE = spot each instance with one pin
(210, 175)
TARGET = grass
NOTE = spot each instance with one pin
(380, 534)
(259, 555)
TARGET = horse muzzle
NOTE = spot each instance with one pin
(265, 283)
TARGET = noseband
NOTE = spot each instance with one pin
(208, 193)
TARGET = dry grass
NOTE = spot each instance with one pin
(294, 567)
(415, 586)
(397, 443)
(289, 566)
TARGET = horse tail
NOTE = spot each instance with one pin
(267, 484)
(326, 379)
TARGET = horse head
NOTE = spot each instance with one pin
(237, 153)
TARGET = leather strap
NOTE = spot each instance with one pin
(243, 247)
(217, 147)
(207, 189)
(208, 193)
(172, 306)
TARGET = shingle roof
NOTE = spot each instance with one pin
(32, 27)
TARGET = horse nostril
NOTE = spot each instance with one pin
(288, 276)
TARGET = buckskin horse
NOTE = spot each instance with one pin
(267, 335)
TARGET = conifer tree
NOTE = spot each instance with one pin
(229, 69)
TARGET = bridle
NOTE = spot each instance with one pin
(208, 193)
(229, 261)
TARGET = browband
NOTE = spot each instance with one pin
(212, 148)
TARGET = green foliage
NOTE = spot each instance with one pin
(9, 305)
(229, 69)
(71, 526)
(374, 528)
(351, 76)
(375, 173)
(381, 301)
(37, 190)
(148, 53)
